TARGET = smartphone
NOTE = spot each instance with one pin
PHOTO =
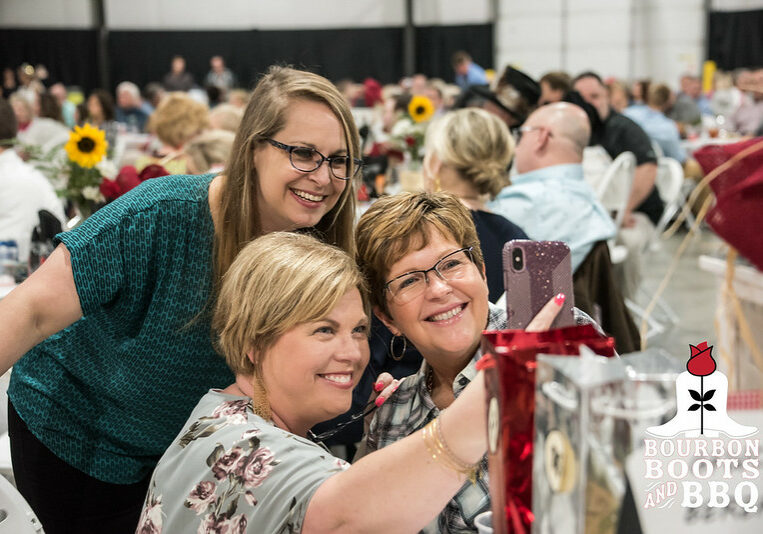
(533, 273)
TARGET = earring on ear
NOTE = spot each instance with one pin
(260, 404)
(397, 357)
(437, 186)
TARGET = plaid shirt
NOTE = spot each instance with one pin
(411, 407)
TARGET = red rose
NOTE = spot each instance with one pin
(110, 189)
(152, 171)
(410, 141)
(127, 178)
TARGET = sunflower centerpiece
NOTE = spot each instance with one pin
(408, 132)
(85, 149)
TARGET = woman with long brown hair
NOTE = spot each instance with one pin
(110, 338)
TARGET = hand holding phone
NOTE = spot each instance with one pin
(533, 273)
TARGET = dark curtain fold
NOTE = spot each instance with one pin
(735, 39)
(144, 56)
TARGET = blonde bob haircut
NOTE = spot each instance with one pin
(396, 225)
(178, 119)
(278, 281)
(265, 116)
(476, 144)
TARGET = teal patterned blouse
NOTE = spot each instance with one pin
(109, 393)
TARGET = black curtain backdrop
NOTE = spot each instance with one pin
(144, 56)
(435, 46)
(735, 39)
(70, 55)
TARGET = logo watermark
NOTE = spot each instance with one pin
(702, 457)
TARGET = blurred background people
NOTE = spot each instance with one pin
(209, 151)
(220, 76)
(178, 79)
(24, 191)
(553, 86)
(46, 130)
(177, 120)
(467, 71)
(653, 120)
(68, 109)
(225, 117)
(130, 109)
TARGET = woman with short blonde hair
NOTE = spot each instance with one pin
(301, 281)
(209, 151)
(476, 145)
(421, 257)
(178, 119)
(468, 153)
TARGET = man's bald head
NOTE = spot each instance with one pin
(566, 121)
(554, 134)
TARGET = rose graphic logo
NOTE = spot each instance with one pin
(697, 458)
(695, 414)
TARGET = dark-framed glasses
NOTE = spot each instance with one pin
(454, 266)
(308, 159)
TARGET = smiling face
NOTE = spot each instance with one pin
(288, 198)
(445, 322)
(310, 371)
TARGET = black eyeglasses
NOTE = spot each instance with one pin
(368, 410)
(412, 284)
(308, 159)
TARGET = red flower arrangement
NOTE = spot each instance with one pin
(129, 178)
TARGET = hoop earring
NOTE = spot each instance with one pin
(395, 357)
(260, 404)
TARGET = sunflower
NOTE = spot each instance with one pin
(86, 146)
(420, 108)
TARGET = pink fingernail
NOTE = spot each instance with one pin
(379, 401)
(379, 386)
(559, 299)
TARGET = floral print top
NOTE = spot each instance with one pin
(230, 471)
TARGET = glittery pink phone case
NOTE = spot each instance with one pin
(544, 271)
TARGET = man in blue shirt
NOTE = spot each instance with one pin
(549, 198)
(660, 129)
(467, 72)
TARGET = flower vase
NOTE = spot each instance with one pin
(410, 176)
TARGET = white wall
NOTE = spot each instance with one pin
(624, 38)
(248, 14)
(241, 14)
(735, 5)
(76, 14)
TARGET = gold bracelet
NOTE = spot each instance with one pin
(437, 447)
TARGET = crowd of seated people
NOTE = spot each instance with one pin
(500, 159)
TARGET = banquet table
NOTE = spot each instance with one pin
(692, 145)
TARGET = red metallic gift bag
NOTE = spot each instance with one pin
(509, 364)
